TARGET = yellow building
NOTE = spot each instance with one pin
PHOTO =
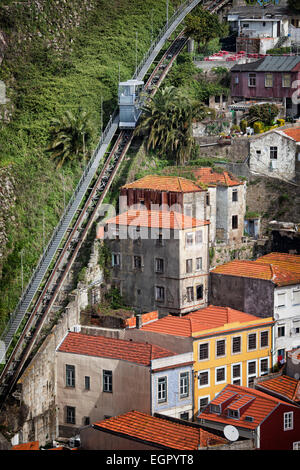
(229, 346)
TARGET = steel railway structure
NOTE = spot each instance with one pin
(21, 333)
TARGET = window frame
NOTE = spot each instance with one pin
(200, 408)
(283, 80)
(206, 371)
(186, 375)
(159, 298)
(208, 351)
(239, 377)
(163, 391)
(288, 421)
(268, 82)
(232, 344)
(202, 291)
(68, 409)
(197, 268)
(235, 195)
(223, 340)
(159, 271)
(107, 386)
(260, 372)
(87, 382)
(138, 266)
(273, 152)
(190, 297)
(235, 222)
(218, 382)
(260, 339)
(252, 79)
(70, 383)
(189, 238)
(198, 237)
(248, 339)
(118, 255)
(189, 265)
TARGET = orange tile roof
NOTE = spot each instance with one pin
(199, 321)
(207, 176)
(281, 274)
(165, 183)
(156, 219)
(293, 132)
(258, 408)
(101, 346)
(286, 386)
(159, 432)
(282, 260)
(34, 445)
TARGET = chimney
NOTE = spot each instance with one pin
(139, 321)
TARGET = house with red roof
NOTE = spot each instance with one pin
(99, 377)
(243, 412)
(269, 286)
(281, 386)
(229, 346)
(275, 153)
(159, 259)
(135, 430)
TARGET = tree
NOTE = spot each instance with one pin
(167, 122)
(203, 26)
(294, 5)
(265, 113)
(70, 137)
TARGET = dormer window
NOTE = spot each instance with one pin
(233, 413)
(215, 409)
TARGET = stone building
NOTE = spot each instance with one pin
(269, 286)
(100, 377)
(275, 153)
(159, 260)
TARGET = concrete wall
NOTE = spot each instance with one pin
(226, 209)
(283, 166)
(95, 403)
(38, 383)
(287, 316)
(254, 296)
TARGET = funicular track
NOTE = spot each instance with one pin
(57, 260)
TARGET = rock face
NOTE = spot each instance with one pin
(7, 200)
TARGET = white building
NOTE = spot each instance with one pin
(274, 153)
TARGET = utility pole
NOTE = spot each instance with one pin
(136, 54)
(167, 8)
(101, 122)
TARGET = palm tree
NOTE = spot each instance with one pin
(70, 137)
(167, 121)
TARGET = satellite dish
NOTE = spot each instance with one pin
(231, 433)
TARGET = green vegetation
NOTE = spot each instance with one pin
(203, 26)
(279, 50)
(266, 113)
(167, 122)
(52, 66)
(294, 5)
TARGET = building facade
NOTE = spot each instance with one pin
(159, 260)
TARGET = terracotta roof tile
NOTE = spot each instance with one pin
(207, 176)
(101, 346)
(293, 132)
(269, 268)
(199, 321)
(258, 408)
(34, 445)
(159, 431)
(165, 183)
(156, 219)
(286, 386)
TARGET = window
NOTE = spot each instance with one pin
(189, 239)
(251, 372)
(107, 381)
(207, 199)
(189, 265)
(160, 240)
(162, 389)
(184, 416)
(70, 376)
(234, 195)
(252, 79)
(233, 414)
(236, 79)
(198, 237)
(86, 421)
(245, 25)
(281, 299)
(296, 296)
(159, 265)
(264, 366)
(288, 421)
(214, 409)
(159, 293)
(273, 153)
(296, 445)
(188, 210)
(190, 294)
(258, 153)
(251, 341)
(220, 348)
(198, 264)
(236, 374)
(234, 221)
(236, 344)
(220, 374)
(264, 339)
(184, 384)
(87, 382)
(286, 80)
(70, 415)
(199, 292)
(217, 99)
(203, 402)
(116, 259)
(137, 262)
(203, 378)
(203, 351)
(281, 331)
(268, 80)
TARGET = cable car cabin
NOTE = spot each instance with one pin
(129, 103)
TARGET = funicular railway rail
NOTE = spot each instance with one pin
(81, 212)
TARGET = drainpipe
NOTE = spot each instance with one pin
(139, 321)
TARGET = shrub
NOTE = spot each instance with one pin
(258, 127)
